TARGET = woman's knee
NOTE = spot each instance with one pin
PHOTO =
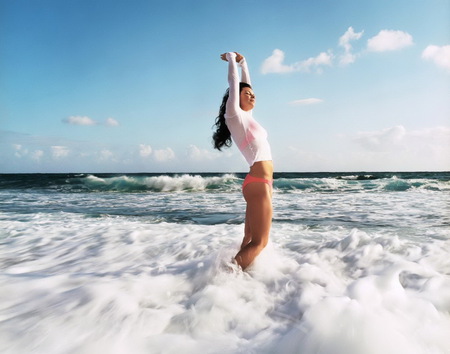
(260, 242)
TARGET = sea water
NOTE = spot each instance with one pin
(356, 264)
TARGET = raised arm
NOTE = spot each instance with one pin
(245, 72)
(233, 80)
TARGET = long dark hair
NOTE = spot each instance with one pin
(222, 135)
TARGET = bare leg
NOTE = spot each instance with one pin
(247, 232)
(258, 221)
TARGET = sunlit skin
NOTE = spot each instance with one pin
(258, 215)
(247, 99)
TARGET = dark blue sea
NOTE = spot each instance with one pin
(358, 263)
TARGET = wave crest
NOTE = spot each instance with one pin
(224, 183)
(162, 183)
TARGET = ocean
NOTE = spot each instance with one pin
(357, 263)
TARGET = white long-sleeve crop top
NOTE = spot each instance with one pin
(246, 132)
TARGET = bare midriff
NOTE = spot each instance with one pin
(262, 169)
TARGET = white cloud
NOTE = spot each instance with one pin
(87, 121)
(396, 147)
(438, 55)
(37, 155)
(274, 63)
(164, 154)
(344, 41)
(306, 101)
(381, 140)
(20, 151)
(349, 35)
(347, 58)
(387, 40)
(145, 150)
(111, 122)
(106, 155)
(322, 59)
(80, 120)
(59, 151)
(301, 159)
(436, 137)
(197, 154)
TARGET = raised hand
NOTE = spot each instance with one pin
(239, 57)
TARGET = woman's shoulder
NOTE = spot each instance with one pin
(239, 114)
(231, 115)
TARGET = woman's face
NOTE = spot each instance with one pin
(247, 99)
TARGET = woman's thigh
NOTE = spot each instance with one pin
(259, 210)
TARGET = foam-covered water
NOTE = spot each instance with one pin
(357, 263)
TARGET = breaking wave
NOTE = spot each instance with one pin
(283, 182)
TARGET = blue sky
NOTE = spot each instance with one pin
(135, 86)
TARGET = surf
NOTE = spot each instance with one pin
(210, 182)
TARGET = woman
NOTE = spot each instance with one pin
(235, 122)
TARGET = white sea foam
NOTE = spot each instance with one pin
(141, 264)
(76, 284)
(161, 183)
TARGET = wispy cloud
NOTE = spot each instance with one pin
(145, 150)
(164, 154)
(381, 140)
(22, 152)
(385, 40)
(19, 150)
(27, 153)
(197, 154)
(344, 41)
(37, 155)
(87, 121)
(111, 122)
(106, 155)
(274, 63)
(79, 120)
(438, 55)
(427, 142)
(306, 101)
(398, 148)
(314, 62)
(388, 40)
(59, 152)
